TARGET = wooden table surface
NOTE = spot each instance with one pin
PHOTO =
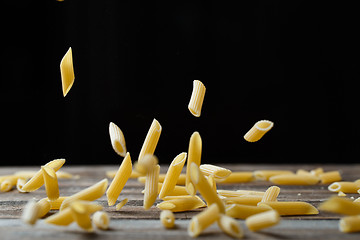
(133, 222)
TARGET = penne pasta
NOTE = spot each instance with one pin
(241, 211)
(151, 140)
(119, 181)
(182, 204)
(81, 211)
(101, 220)
(51, 183)
(203, 220)
(244, 200)
(146, 164)
(212, 183)
(167, 218)
(262, 220)
(350, 224)
(55, 205)
(91, 193)
(345, 187)
(172, 175)
(267, 174)
(197, 98)
(330, 177)
(239, 193)
(30, 213)
(44, 207)
(194, 156)
(258, 130)
(121, 204)
(340, 205)
(204, 187)
(293, 179)
(317, 172)
(215, 171)
(237, 177)
(38, 180)
(271, 194)
(151, 187)
(230, 226)
(7, 184)
(291, 208)
(117, 139)
(67, 72)
(19, 185)
(62, 218)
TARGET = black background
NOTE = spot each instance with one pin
(295, 63)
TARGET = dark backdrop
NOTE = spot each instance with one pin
(295, 63)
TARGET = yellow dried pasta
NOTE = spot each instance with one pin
(172, 175)
(197, 98)
(167, 218)
(241, 211)
(151, 140)
(51, 183)
(121, 204)
(267, 174)
(345, 187)
(237, 177)
(271, 194)
(119, 181)
(350, 224)
(258, 130)
(117, 139)
(101, 220)
(294, 179)
(340, 205)
(151, 187)
(181, 204)
(291, 208)
(262, 220)
(207, 192)
(194, 156)
(330, 177)
(67, 72)
(230, 226)
(203, 220)
(215, 171)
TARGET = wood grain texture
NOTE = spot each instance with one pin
(133, 222)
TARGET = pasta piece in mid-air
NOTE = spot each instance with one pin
(101, 220)
(121, 204)
(230, 226)
(194, 156)
(340, 205)
(197, 98)
(216, 171)
(258, 130)
(151, 140)
(51, 183)
(172, 174)
(151, 186)
(181, 203)
(117, 139)
(67, 72)
(350, 224)
(119, 181)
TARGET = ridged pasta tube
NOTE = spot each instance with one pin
(194, 156)
(117, 139)
(67, 72)
(203, 220)
(262, 220)
(197, 98)
(151, 140)
(258, 130)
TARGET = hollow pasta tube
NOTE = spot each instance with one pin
(151, 140)
(167, 218)
(194, 156)
(330, 177)
(203, 220)
(241, 211)
(51, 183)
(237, 177)
(117, 139)
(67, 72)
(271, 194)
(119, 181)
(262, 220)
(267, 174)
(121, 204)
(340, 205)
(101, 220)
(350, 224)
(345, 187)
(258, 130)
(294, 179)
(204, 187)
(173, 174)
(181, 204)
(151, 187)
(230, 226)
(291, 208)
(197, 98)
(215, 171)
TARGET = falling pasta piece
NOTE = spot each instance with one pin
(204, 187)
(19, 185)
(172, 174)
(194, 156)
(117, 139)
(55, 205)
(151, 140)
(203, 220)
(61, 218)
(151, 187)
(81, 216)
(67, 72)
(51, 183)
(119, 181)
(44, 207)
(101, 220)
(30, 212)
(258, 130)
(167, 218)
(197, 98)
(121, 204)
(230, 226)
(37, 179)
(90, 194)
(262, 220)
